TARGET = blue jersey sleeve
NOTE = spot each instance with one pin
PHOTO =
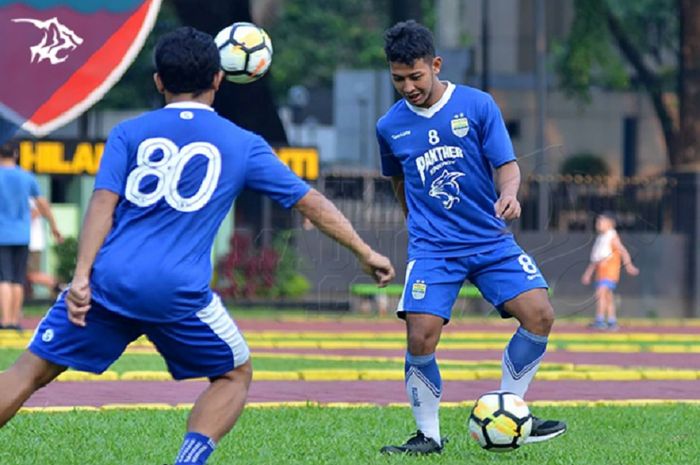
(113, 165)
(391, 166)
(496, 143)
(34, 190)
(266, 174)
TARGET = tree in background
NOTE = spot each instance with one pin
(312, 39)
(651, 44)
(135, 90)
(251, 106)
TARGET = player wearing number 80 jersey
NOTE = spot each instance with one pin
(441, 144)
(166, 181)
(175, 188)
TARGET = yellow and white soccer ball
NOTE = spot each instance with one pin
(500, 421)
(245, 50)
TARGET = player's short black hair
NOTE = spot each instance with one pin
(187, 60)
(608, 215)
(408, 41)
(8, 150)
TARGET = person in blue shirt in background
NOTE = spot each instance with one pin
(166, 181)
(17, 187)
(441, 144)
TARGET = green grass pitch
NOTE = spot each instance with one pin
(612, 435)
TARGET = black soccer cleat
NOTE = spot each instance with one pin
(544, 430)
(419, 444)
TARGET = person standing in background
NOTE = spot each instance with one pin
(607, 257)
(17, 187)
(37, 247)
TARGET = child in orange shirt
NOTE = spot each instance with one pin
(607, 256)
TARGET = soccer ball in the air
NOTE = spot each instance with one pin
(246, 52)
(500, 421)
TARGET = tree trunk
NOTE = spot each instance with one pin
(249, 105)
(651, 83)
(689, 88)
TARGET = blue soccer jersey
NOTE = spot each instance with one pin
(177, 171)
(446, 154)
(17, 186)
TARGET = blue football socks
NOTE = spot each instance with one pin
(195, 450)
(521, 360)
(424, 389)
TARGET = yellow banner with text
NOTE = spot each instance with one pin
(75, 157)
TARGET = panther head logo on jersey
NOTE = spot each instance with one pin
(446, 188)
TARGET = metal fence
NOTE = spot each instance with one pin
(640, 204)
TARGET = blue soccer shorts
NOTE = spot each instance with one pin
(205, 344)
(609, 283)
(432, 284)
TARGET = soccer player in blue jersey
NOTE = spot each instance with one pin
(166, 181)
(441, 145)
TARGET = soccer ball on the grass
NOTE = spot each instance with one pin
(246, 52)
(500, 421)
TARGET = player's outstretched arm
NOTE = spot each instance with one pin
(588, 274)
(507, 206)
(329, 220)
(97, 224)
(45, 209)
(626, 257)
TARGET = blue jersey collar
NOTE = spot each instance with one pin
(189, 105)
(437, 106)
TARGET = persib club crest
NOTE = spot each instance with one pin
(418, 290)
(460, 125)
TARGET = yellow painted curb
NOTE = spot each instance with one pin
(560, 375)
(350, 405)
(329, 375)
(382, 375)
(670, 374)
(461, 375)
(82, 376)
(295, 404)
(622, 343)
(625, 348)
(630, 375)
(153, 406)
(144, 375)
(266, 375)
(57, 409)
(580, 372)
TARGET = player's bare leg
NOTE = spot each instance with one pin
(611, 312)
(522, 356)
(214, 414)
(5, 302)
(533, 310)
(16, 305)
(219, 406)
(423, 384)
(601, 309)
(28, 374)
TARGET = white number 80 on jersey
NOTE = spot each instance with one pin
(168, 171)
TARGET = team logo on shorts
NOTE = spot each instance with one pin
(418, 290)
(460, 125)
(47, 336)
